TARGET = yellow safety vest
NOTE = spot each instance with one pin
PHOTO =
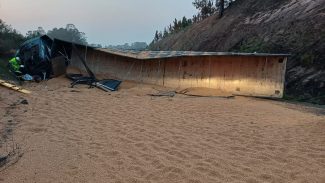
(15, 65)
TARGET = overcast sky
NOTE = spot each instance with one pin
(103, 21)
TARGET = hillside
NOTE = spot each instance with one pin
(283, 26)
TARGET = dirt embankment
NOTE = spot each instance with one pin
(285, 26)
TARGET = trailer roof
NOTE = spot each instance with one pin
(145, 55)
(169, 54)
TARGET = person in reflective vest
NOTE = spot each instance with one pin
(14, 65)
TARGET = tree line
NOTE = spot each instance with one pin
(11, 39)
(206, 8)
(177, 26)
(68, 33)
(138, 46)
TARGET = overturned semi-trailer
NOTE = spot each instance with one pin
(256, 74)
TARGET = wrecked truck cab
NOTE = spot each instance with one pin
(35, 55)
(44, 57)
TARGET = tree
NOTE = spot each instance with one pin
(211, 9)
(160, 36)
(156, 39)
(184, 22)
(189, 21)
(96, 45)
(70, 33)
(165, 33)
(195, 19)
(205, 7)
(176, 25)
(170, 28)
(221, 7)
(139, 46)
(35, 33)
(10, 39)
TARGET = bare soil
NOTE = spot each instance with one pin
(87, 135)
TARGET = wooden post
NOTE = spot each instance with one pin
(164, 74)
(140, 75)
(284, 68)
(13, 87)
(158, 72)
(179, 72)
(209, 71)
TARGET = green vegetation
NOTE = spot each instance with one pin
(252, 45)
(5, 74)
(139, 46)
(10, 39)
(206, 8)
(319, 100)
(69, 33)
(307, 59)
(177, 26)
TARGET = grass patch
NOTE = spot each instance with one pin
(307, 59)
(251, 45)
(317, 100)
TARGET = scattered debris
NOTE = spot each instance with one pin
(81, 79)
(25, 102)
(194, 92)
(108, 85)
(27, 77)
(164, 94)
(91, 80)
(205, 92)
(3, 160)
(11, 158)
(75, 91)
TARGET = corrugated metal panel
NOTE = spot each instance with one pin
(144, 55)
(169, 54)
